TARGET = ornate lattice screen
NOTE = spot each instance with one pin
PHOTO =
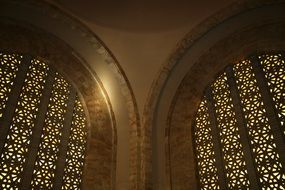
(239, 126)
(42, 127)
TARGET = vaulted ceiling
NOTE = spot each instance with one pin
(142, 34)
(151, 47)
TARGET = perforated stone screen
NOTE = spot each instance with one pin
(239, 126)
(42, 126)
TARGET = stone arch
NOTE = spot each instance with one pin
(228, 100)
(187, 99)
(47, 31)
(101, 122)
(226, 37)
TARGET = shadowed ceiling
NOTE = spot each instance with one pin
(141, 34)
(142, 16)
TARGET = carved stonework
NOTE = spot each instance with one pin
(100, 159)
(255, 39)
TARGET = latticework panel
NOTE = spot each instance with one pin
(45, 165)
(272, 176)
(34, 103)
(23, 122)
(8, 69)
(274, 69)
(204, 149)
(76, 149)
(236, 172)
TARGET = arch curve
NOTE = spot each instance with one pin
(56, 54)
(226, 37)
(92, 69)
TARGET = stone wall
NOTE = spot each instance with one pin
(99, 172)
(263, 37)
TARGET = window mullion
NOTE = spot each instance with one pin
(250, 164)
(270, 110)
(63, 147)
(216, 141)
(8, 114)
(36, 135)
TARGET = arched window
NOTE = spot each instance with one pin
(42, 126)
(239, 130)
